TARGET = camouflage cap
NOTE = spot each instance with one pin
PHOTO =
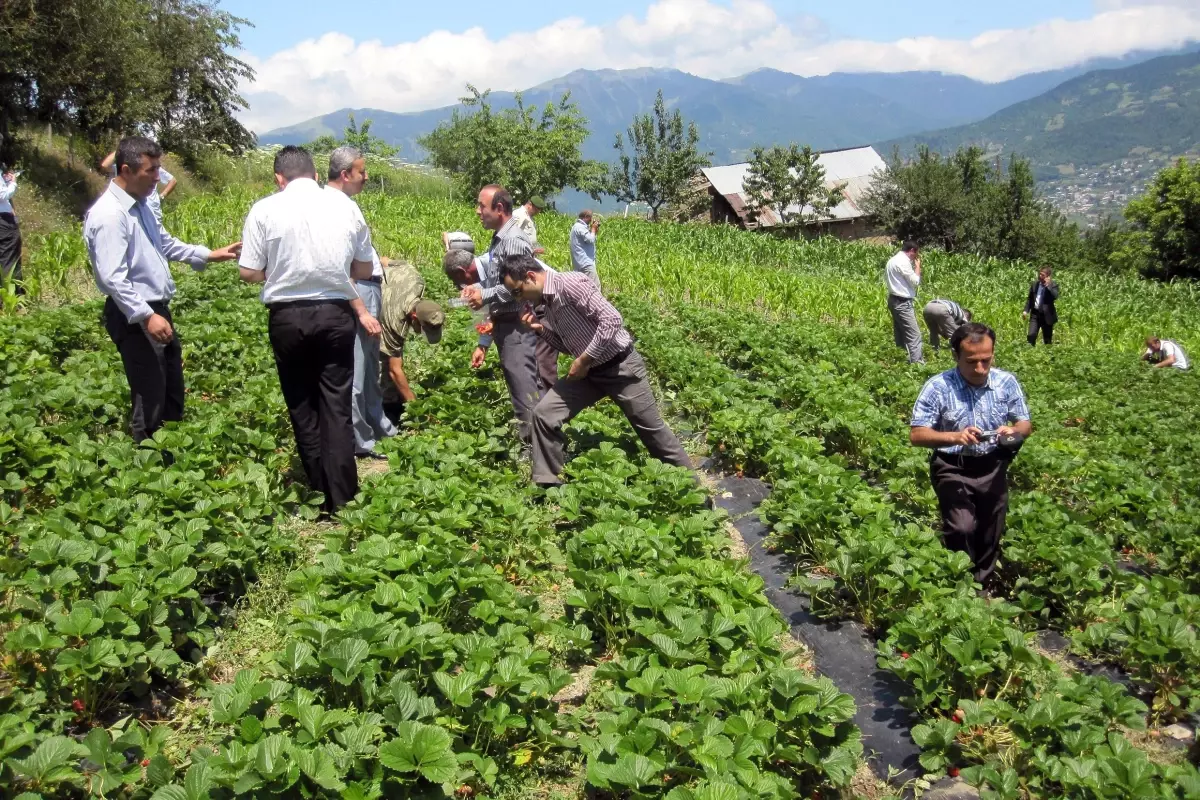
(431, 317)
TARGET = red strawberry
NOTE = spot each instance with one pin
(905, 655)
(958, 715)
(954, 772)
(77, 705)
(145, 762)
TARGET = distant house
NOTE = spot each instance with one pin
(853, 167)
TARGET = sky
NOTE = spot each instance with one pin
(410, 56)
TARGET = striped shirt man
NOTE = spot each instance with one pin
(580, 321)
(948, 403)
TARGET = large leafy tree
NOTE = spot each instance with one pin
(528, 151)
(356, 135)
(790, 181)
(1165, 238)
(105, 67)
(664, 154)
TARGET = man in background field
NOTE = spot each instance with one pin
(579, 321)
(903, 275)
(154, 201)
(523, 217)
(943, 318)
(130, 252)
(1040, 307)
(347, 176)
(307, 246)
(1164, 353)
(973, 417)
(10, 233)
(583, 245)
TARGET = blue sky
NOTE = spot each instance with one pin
(411, 56)
(281, 23)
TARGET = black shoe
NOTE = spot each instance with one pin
(371, 454)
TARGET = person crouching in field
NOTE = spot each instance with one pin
(579, 321)
(943, 318)
(1165, 353)
(974, 417)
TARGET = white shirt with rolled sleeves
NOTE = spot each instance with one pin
(305, 239)
(376, 264)
(1169, 349)
(154, 201)
(7, 190)
(902, 279)
(130, 251)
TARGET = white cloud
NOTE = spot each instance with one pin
(699, 36)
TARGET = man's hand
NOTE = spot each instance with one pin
(968, 437)
(370, 324)
(478, 357)
(1024, 315)
(595, 225)
(1005, 430)
(474, 297)
(530, 322)
(385, 261)
(579, 368)
(159, 329)
(537, 251)
(229, 252)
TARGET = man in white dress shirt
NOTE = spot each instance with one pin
(347, 176)
(903, 277)
(130, 250)
(307, 246)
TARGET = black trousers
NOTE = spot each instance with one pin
(154, 372)
(972, 494)
(1037, 323)
(314, 355)
(10, 250)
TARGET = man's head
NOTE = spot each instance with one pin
(1044, 274)
(586, 216)
(974, 347)
(459, 266)
(494, 206)
(911, 249)
(535, 205)
(347, 170)
(1153, 343)
(524, 277)
(292, 162)
(427, 317)
(137, 163)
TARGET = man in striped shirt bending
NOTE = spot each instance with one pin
(581, 322)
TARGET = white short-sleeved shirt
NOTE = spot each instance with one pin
(1169, 349)
(902, 279)
(305, 238)
(376, 264)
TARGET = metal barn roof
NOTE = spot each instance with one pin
(853, 167)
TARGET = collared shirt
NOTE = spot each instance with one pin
(510, 240)
(525, 223)
(305, 239)
(956, 311)
(130, 250)
(154, 201)
(1168, 349)
(488, 270)
(902, 279)
(948, 403)
(583, 247)
(403, 288)
(7, 190)
(1037, 298)
(579, 320)
(376, 264)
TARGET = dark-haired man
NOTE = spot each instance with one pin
(971, 416)
(130, 251)
(1163, 353)
(517, 345)
(307, 246)
(579, 321)
(1040, 308)
(903, 275)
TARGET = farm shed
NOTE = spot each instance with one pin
(853, 167)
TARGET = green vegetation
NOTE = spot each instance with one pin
(1164, 240)
(783, 178)
(357, 136)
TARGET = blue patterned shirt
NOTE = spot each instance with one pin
(948, 403)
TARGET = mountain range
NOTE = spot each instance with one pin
(763, 107)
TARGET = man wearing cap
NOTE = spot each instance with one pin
(523, 217)
(404, 311)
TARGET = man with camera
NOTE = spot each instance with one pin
(975, 418)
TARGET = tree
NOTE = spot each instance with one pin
(165, 69)
(528, 152)
(354, 135)
(664, 157)
(1165, 238)
(790, 182)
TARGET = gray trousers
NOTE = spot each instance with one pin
(370, 424)
(624, 379)
(518, 361)
(940, 322)
(904, 327)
